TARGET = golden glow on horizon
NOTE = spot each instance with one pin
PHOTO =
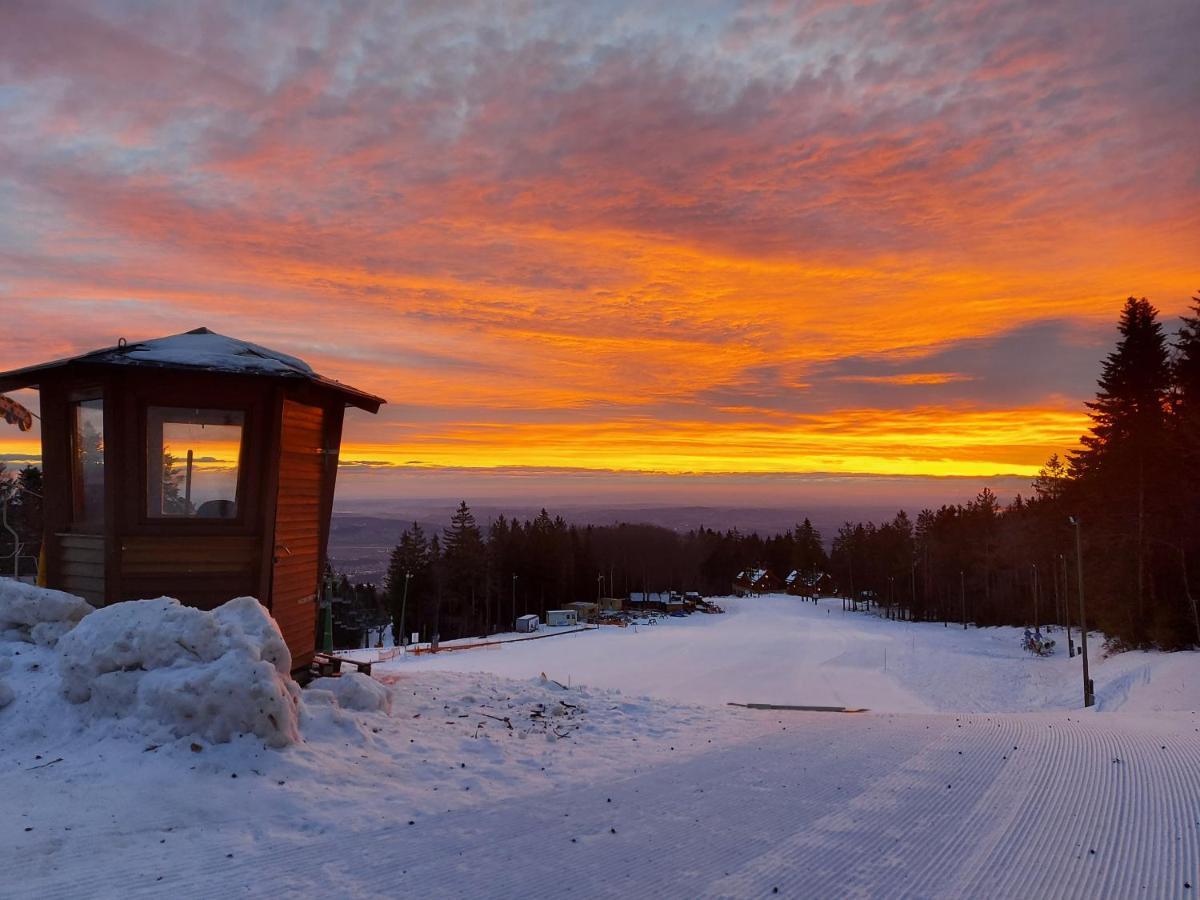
(870, 442)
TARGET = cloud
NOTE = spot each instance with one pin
(660, 221)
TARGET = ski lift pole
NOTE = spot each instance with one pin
(1089, 693)
(16, 541)
(1067, 606)
(962, 588)
(327, 607)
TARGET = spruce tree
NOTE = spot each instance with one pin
(1186, 368)
(464, 561)
(407, 580)
(1185, 473)
(1125, 447)
(808, 554)
(1130, 408)
(1185, 406)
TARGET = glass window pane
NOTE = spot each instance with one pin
(192, 462)
(88, 461)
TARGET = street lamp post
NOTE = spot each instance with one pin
(1035, 598)
(599, 589)
(913, 606)
(403, 635)
(962, 589)
(1089, 692)
(514, 600)
(1067, 606)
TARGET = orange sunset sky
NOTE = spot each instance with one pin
(680, 250)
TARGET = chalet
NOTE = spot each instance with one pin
(650, 600)
(753, 582)
(808, 584)
(196, 466)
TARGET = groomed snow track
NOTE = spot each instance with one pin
(826, 806)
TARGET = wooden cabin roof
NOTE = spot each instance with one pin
(199, 350)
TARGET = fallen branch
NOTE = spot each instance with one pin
(503, 719)
(43, 765)
(776, 706)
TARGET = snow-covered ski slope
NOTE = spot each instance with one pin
(778, 649)
(599, 791)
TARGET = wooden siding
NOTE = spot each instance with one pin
(200, 570)
(297, 551)
(80, 560)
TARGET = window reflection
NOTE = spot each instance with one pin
(192, 462)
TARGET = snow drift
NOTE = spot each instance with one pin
(37, 615)
(353, 690)
(163, 667)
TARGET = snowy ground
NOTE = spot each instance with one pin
(778, 649)
(974, 774)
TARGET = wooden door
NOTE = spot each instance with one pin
(296, 572)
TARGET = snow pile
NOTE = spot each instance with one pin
(354, 690)
(7, 695)
(37, 615)
(168, 668)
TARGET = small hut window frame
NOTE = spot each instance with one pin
(87, 499)
(227, 507)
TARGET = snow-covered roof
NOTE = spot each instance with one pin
(204, 349)
(199, 350)
(752, 575)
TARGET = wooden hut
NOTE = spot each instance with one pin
(195, 466)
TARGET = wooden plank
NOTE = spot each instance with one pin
(84, 542)
(199, 548)
(170, 560)
(83, 557)
(74, 584)
(210, 544)
(158, 550)
(298, 412)
(71, 569)
(202, 592)
(296, 573)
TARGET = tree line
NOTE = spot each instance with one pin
(1132, 489)
(1133, 486)
(469, 580)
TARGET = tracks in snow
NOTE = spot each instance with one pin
(848, 806)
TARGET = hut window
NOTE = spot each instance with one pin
(87, 462)
(192, 458)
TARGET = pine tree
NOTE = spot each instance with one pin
(1127, 441)
(1129, 410)
(808, 553)
(1186, 367)
(1185, 474)
(1051, 478)
(27, 514)
(407, 580)
(1185, 406)
(464, 561)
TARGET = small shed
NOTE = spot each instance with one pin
(584, 609)
(196, 466)
(527, 624)
(558, 617)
